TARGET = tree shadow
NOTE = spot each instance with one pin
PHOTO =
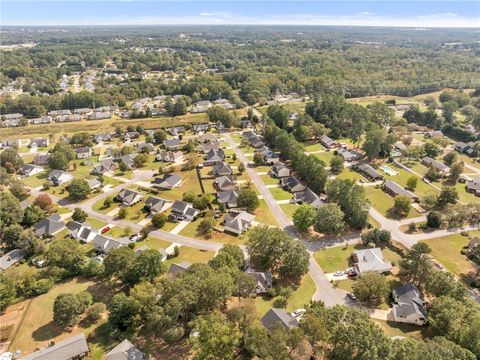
(47, 332)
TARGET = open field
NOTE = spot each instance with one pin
(392, 329)
(192, 255)
(384, 202)
(191, 231)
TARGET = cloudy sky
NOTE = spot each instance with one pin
(158, 12)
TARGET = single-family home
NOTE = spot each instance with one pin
(168, 182)
(177, 269)
(437, 165)
(227, 105)
(466, 148)
(72, 348)
(221, 169)
(105, 166)
(59, 112)
(409, 305)
(99, 115)
(434, 133)
(129, 197)
(206, 147)
(59, 177)
(347, 155)
(146, 147)
(81, 232)
(156, 205)
(125, 351)
(30, 170)
(269, 157)
(263, 279)
(227, 182)
(82, 111)
(68, 118)
(83, 152)
(201, 107)
(172, 144)
(182, 210)
(201, 128)
(93, 184)
(280, 170)
(176, 157)
(12, 123)
(327, 142)
(99, 138)
(214, 157)
(246, 124)
(49, 226)
(206, 138)
(129, 160)
(279, 317)
(41, 120)
(473, 244)
(176, 130)
(292, 184)
(238, 222)
(473, 186)
(219, 126)
(39, 142)
(42, 160)
(369, 172)
(11, 258)
(307, 196)
(131, 135)
(370, 260)
(11, 116)
(392, 188)
(228, 197)
(104, 244)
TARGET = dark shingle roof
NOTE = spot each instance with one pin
(279, 316)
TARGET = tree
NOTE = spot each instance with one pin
(304, 217)
(336, 164)
(66, 310)
(448, 195)
(10, 209)
(205, 228)
(201, 202)
(8, 292)
(279, 115)
(140, 159)
(434, 219)
(329, 219)
(402, 205)
(412, 182)
(58, 160)
(245, 284)
(118, 262)
(431, 150)
(443, 283)
(450, 158)
(9, 158)
(11, 235)
(257, 158)
(455, 171)
(377, 237)
(79, 215)
(124, 312)
(236, 252)
(66, 254)
(159, 136)
(370, 288)
(44, 202)
(122, 213)
(415, 266)
(78, 189)
(189, 196)
(158, 220)
(220, 114)
(123, 167)
(248, 199)
(107, 202)
(19, 190)
(95, 311)
(373, 140)
(241, 168)
(146, 266)
(447, 317)
(432, 174)
(32, 214)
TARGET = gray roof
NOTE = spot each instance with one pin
(369, 171)
(177, 268)
(240, 221)
(63, 350)
(428, 161)
(215, 155)
(26, 168)
(474, 184)
(168, 181)
(263, 279)
(155, 204)
(11, 258)
(325, 140)
(396, 189)
(228, 197)
(224, 182)
(125, 351)
(173, 143)
(48, 226)
(409, 300)
(222, 169)
(169, 156)
(128, 196)
(308, 197)
(278, 316)
(42, 159)
(292, 183)
(56, 174)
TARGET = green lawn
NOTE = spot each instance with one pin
(190, 183)
(314, 147)
(116, 232)
(268, 180)
(384, 202)
(280, 194)
(98, 206)
(335, 258)
(402, 177)
(289, 209)
(95, 223)
(392, 329)
(298, 299)
(264, 215)
(191, 231)
(325, 156)
(263, 168)
(237, 138)
(192, 255)
(36, 180)
(463, 195)
(153, 243)
(350, 175)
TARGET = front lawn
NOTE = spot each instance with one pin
(225, 238)
(335, 258)
(264, 215)
(189, 183)
(314, 147)
(280, 194)
(325, 156)
(268, 180)
(192, 255)
(392, 329)
(153, 243)
(289, 209)
(384, 202)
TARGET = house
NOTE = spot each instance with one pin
(172, 144)
(99, 115)
(39, 142)
(201, 107)
(466, 148)
(201, 128)
(181, 210)
(93, 184)
(131, 135)
(14, 116)
(59, 177)
(72, 348)
(30, 170)
(176, 269)
(263, 279)
(227, 182)
(392, 188)
(82, 111)
(146, 147)
(409, 305)
(170, 157)
(49, 226)
(219, 126)
(222, 169)
(279, 317)
(327, 142)
(280, 170)
(11, 258)
(473, 244)
(347, 155)
(206, 138)
(68, 118)
(129, 197)
(369, 172)
(99, 138)
(125, 351)
(237, 222)
(292, 184)
(434, 133)
(83, 152)
(128, 160)
(206, 147)
(81, 232)
(176, 130)
(156, 205)
(59, 112)
(227, 105)
(269, 157)
(246, 124)
(42, 160)
(168, 182)
(214, 157)
(307, 196)
(12, 123)
(228, 197)
(41, 120)
(473, 186)
(105, 166)
(370, 260)
(437, 165)
(104, 244)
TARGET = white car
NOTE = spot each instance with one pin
(339, 273)
(298, 313)
(135, 237)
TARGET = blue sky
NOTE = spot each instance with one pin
(133, 12)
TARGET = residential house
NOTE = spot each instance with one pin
(369, 172)
(206, 147)
(473, 244)
(59, 177)
(176, 130)
(466, 148)
(156, 205)
(12, 123)
(83, 152)
(219, 126)
(237, 222)
(222, 169)
(292, 184)
(409, 305)
(370, 260)
(125, 351)
(181, 210)
(327, 142)
(227, 105)
(131, 135)
(279, 317)
(228, 197)
(207, 138)
(49, 226)
(68, 118)
(201, 107)
(227, 182)
(59, 112)
(172, 144)
(104, 244)
(94, 184)
(434, 133)
(11, 116)
(82, 111)
(81, 232)
(42, 160)
(99, 115)
(269, 157)
(347, 155)
(100, 138)
(246, 124)
(105, 166)
(176, 269)
(11, 258)
(263, 279)
(307, 196)
(280, 170)
(392, 188)
(214, 157)
(129, 197)
(146, 147)
(201, 128)
(437, 165)
(168, 182)
(128, 160)
(176, 157)
(30, 170)
(39, 142)
(473, 186)
(72, 348)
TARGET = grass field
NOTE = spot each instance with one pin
(325, 156)
(192, 255)
(280, 194)
(384, 202)
(190, 183)
(335, 258)
(314, 147)
(268, 180)
(264, 215)
(392, 329)
(191, 231)
(289, 209)
(153, 243)
(402, 177)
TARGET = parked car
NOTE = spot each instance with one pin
(135, 237)
(105, 229)
(298, 313)
(352, 296)
(339, 273)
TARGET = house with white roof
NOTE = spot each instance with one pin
(370, 260)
